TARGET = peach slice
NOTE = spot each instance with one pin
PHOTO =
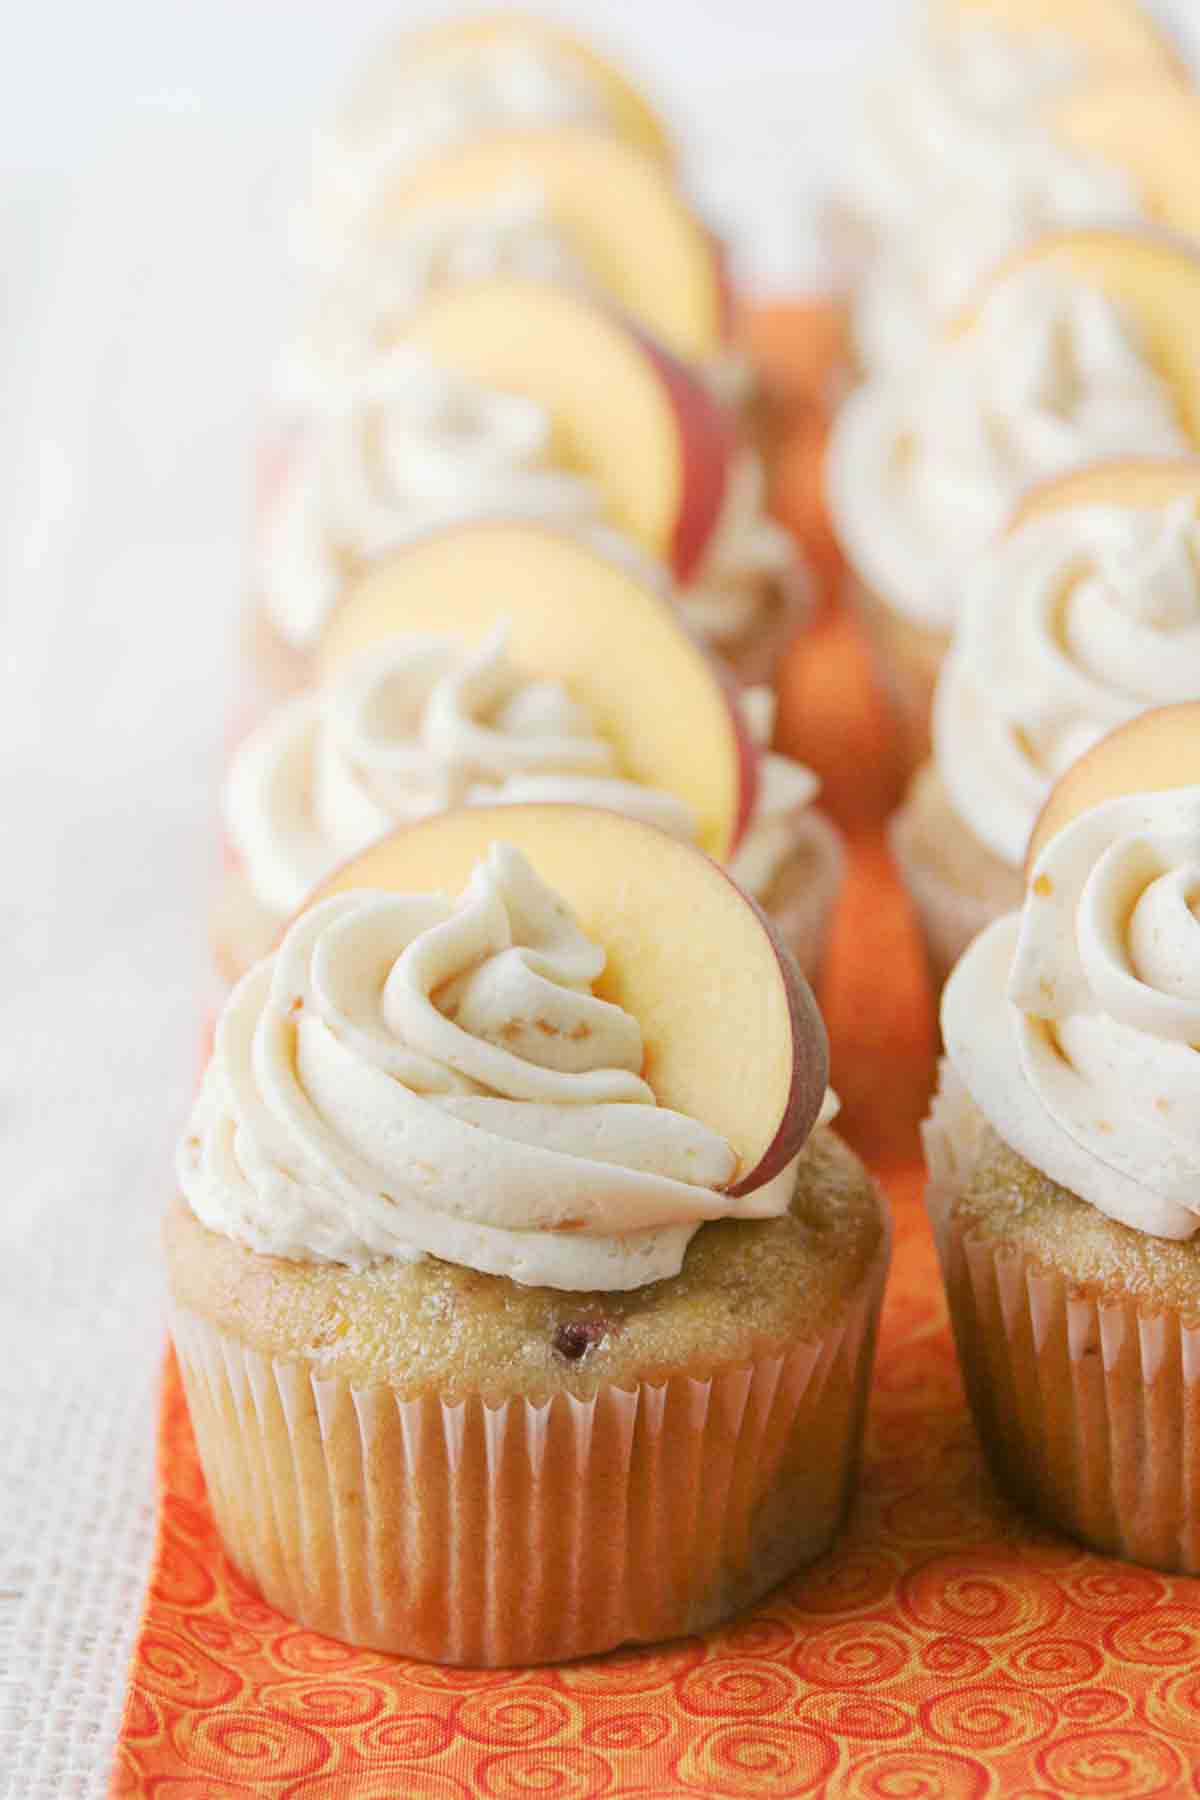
(1154, 281)
(732, 1033)
(624, 410)
(1151, 130)
(1157, 750)
(632, 115)
(1137, 483)
(617, 208)
(1113, 33)
(579, 616)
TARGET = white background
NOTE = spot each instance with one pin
(148, 152)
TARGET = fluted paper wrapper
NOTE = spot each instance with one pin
(948, 918)
(907, 658)
(526, 1532)
(1088, 1407)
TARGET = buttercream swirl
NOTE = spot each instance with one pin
(419, 724)
(1073, 625)
(404, 446)
(1075, 1024)
(1011, 184)
(949, 90)
(409, 728)
(404, 110)
(925, 467)
(365, 303)
(412, 1076)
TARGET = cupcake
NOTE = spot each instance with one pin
(959, 88)
(1116, 151)
(425, 92)
(1085, 614)
(511, 397)
(523, 1303)
(1064, 1155)
(1077, 351)
(566, 678)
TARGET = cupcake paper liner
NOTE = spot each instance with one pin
(804, 915)
(949, 918)
(527, 1531)
(1088, 1407)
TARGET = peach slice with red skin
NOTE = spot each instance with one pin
(577, 614)
(1137, 483)
(1155, 751)
(624, 410)
(1112, 33)
(732, 1033)
(617, 208)
(631, 115)
(1152, 279)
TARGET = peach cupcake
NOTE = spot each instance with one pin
(568, 676)
(1086, 613)
(422, 93)
(524, 1304)
(1079, 349)
(1064, 1155)
(955, 95)
(515, 397)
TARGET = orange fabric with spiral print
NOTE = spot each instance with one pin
(945, 1650)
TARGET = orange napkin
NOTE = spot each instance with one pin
(945, 1650)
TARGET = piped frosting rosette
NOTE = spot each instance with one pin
(412, 1076)
(1050, 375)
(1078, 621)
(1074, 1024)
(410, 727)
(405, 447)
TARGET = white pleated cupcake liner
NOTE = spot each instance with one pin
(1088, 1406)
(527, 1531)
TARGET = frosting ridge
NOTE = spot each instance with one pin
(412, 1076)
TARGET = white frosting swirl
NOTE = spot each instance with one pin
(925, 467)
(1073, 625)
(1011, 185)
(948, 91)
(404, 111)
(1075, 1025)
(418, 724)
(365, 303)
(408, 728)
(404, 446)
(409, 1076)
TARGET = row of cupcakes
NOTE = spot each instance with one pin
(1014, 488)
(1015, 482)
(524, 1299)
(511, 536)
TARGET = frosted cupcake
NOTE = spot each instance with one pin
(423, 93)
(579, 685)
(512, 397)
(517, 1320)
(1085, 614)
(948, 102)
(1064, 1155)
(1077, 351)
